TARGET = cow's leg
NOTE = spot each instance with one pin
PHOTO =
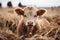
(20, 26)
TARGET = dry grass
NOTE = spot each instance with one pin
(9, 21)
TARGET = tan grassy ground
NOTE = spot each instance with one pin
(9, 21)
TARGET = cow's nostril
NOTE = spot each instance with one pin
(30, 23)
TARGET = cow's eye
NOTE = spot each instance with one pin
(25, 16)
(35, 15)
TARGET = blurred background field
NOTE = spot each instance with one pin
(9, 19)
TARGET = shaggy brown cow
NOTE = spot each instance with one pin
(30, 20)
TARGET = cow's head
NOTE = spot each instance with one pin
(30, 14)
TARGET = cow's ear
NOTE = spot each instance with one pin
(41, 12)
(19, 11)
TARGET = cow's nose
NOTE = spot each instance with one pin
(30, 23)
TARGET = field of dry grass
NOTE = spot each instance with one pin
(9, 21)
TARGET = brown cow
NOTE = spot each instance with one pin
(30, 20)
